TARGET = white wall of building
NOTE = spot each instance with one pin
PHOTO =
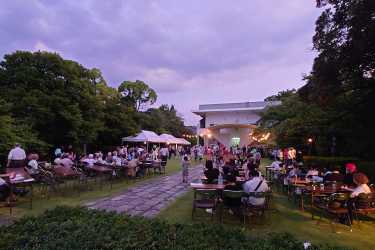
(225, 136)
(232, 117)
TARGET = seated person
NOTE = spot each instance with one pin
(66, 161)
(132, 167)
(230, 173)
(360, 180)
(116, 160)
(335, 175)
(276, 165)
(312, 172)
(255, 184)
(89, 161)
(251, 165)
(295, 172)
(99, 159)
(32, 166)
(58, 159)
(350, 170)
(211, 173)
(109, 158)
(4, 190)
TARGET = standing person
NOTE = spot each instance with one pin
(164, 153)
(185, 163)
(16, 157)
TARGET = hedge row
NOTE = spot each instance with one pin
(80, 228)
(367, 167)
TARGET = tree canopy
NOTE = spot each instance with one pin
(137, 93)
(336, 104)
(48, 101)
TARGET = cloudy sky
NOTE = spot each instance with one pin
(191, 52)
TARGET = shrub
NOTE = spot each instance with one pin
(366, 167)
(80, 228)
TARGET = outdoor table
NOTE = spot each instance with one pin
(317, 191)
(25, 181)
(102, 171)
(64, 172)
(208, 186)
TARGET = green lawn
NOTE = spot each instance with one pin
(70, 197)
(286, 218)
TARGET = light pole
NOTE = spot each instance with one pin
(310, 142)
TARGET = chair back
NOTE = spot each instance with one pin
(233, 194)
(209, 194)
(364, 201)
(256, 194)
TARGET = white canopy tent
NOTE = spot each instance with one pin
(146, 137)
(182, 141)
(170, 139)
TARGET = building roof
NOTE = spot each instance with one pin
(240, 106)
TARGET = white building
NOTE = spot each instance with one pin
(230, 124)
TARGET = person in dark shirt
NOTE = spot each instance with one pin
(230, 171)
(211, 173)
(335, 175)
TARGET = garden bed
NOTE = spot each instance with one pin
(80, 228)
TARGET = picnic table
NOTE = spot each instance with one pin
(317, 191)
(65, 172)
(102, 171)
(18, 177)
(208, 186)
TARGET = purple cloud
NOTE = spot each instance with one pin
(191, 52)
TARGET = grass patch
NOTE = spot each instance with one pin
(70, 197)
(287, 218)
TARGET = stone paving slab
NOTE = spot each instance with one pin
(148, 198)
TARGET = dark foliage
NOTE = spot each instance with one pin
(79, 228)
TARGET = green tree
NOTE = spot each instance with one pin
(55, 97)
(137, 93)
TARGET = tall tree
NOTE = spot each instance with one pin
(137, 93)
(56, 97)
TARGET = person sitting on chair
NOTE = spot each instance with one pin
(360, 180)
(335, 175)
(89, 161)
(255, 184)
(32, 166)
(4, 190)
(211, 173)
(66, 161)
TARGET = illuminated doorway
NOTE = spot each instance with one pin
(235, 141)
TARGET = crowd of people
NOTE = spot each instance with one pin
(224, 165)
(127, 157)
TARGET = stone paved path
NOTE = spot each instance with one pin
(148, 198)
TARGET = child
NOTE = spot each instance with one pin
(185, 169)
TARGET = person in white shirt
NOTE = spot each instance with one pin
(16, 157)
(32, 165)
(255, 184)
(361, 180)
(90, 161)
